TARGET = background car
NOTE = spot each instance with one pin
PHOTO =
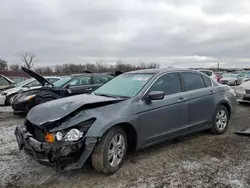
(243, 92)
(231, 79)
(67, 86)
(245, 76)
(5, 82)
(218, 75)
(210, 73)
(132, 111)
(8, 95)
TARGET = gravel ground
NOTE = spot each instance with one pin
(200, 160)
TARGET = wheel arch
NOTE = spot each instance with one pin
(227, 106)
(131, 134)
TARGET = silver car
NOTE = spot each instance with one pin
(231, 79)
(132, 111)
(243, 92)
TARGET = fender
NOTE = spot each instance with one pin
(97, 129)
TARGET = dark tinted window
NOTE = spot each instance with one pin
(209, 73)
(192, 81)
(169, 83)
(52, 80)
(79, 81)
(101, 79)
(207, 81)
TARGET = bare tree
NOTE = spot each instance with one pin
(3, 65)
(28, 59)
(14, 67)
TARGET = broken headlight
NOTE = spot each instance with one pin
(74, 133)
(71, 136)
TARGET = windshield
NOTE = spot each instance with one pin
(126, 85)
(230, 75)
(63, 81)
(24, 82)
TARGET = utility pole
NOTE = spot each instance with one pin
(218, 66)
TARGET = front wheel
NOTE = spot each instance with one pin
(220, 120)
(110, 151)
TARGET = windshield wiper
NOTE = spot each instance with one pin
(110, 95)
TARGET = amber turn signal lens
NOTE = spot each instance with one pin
(50, 138)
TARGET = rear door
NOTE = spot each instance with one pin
(80, 85)
(200, 96)
(166, 118)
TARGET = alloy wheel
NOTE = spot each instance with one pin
(221, 120)
(116, 150)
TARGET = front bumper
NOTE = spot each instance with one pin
(19, 107)
(227, 83)
(2, 99)
(63, 155)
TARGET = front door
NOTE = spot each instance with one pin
(79, 85)
(166, 118)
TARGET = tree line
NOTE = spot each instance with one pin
(28, 61)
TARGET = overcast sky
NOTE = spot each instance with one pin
(180, 33)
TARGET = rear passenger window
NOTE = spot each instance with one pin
(207, 81)
(101, 79)
(192, 81)
(169, 83)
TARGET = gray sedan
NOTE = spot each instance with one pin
(133, 111)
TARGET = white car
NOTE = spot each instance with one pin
(210, 74)
(7, 96)
(243, 92)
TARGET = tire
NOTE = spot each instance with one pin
(220, 125)
(100, 159)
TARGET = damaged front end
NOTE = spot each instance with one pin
(65, 149)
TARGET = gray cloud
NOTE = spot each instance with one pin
(170, 32)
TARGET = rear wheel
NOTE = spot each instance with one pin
(220, 121)
(109, 153)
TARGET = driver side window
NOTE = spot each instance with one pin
(80, 81)
(169, 83)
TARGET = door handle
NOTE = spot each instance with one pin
(181, 99)
(89, 89)
(211, 92)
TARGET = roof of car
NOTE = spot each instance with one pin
(83, 74)
(160, 70)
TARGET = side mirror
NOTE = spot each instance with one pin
(68, 89)
(155, 95)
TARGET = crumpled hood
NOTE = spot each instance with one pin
(12, 90)
(57, 109)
